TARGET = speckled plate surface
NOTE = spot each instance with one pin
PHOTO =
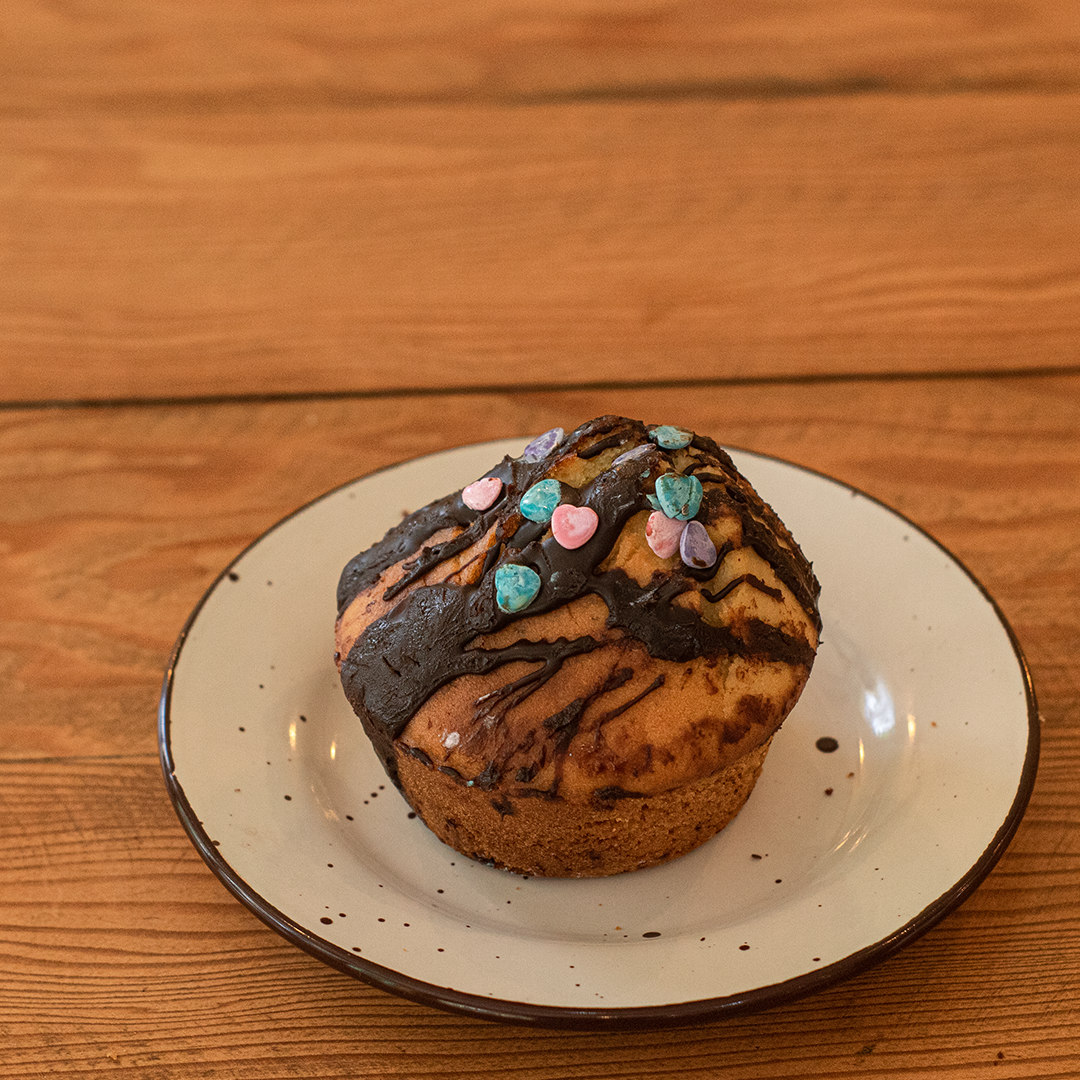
(838, 859)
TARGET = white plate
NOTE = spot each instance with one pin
(837, 860)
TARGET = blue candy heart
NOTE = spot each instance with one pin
(670, 437)
(539, 502)
(679, 496)
(516, 587)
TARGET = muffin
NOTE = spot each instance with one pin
(574, 666)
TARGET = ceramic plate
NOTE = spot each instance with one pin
(840, 857)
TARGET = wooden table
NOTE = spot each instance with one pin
(249, 251)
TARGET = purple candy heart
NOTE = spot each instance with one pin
(542, 445)
(695, 547)
(633, 454)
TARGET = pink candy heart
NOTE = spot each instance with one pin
(663, 534)
(572, 526)
(481, 494)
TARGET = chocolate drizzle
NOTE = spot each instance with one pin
(742, 579)
(598, 447)
(429, 638)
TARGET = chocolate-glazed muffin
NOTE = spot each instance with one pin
(574, 667)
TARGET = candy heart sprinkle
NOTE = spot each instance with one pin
(481, 494)
(670, 437)
(539, 502)
(663, 534)
(516, 587)
(695, 546)
(573, 526)
(679, 496)
(542, 445)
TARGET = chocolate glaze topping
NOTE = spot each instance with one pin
(426, 640)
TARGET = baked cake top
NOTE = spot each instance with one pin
(654, 521)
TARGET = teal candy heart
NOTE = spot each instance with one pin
(671, 437)
(516, 587)
(679, 496)
(539, 502)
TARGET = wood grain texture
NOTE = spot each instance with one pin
(114, 521)
(200, 54)
(121, 952)
(476, 246)
(445, 223)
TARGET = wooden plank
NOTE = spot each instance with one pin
(121, 951)
(114, 521)
(478, 246)
(200, 54)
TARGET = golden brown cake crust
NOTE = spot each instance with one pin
(595, 838)
(619, 714)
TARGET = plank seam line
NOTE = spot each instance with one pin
(62, 759)
(825, 378)
(777, 88)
